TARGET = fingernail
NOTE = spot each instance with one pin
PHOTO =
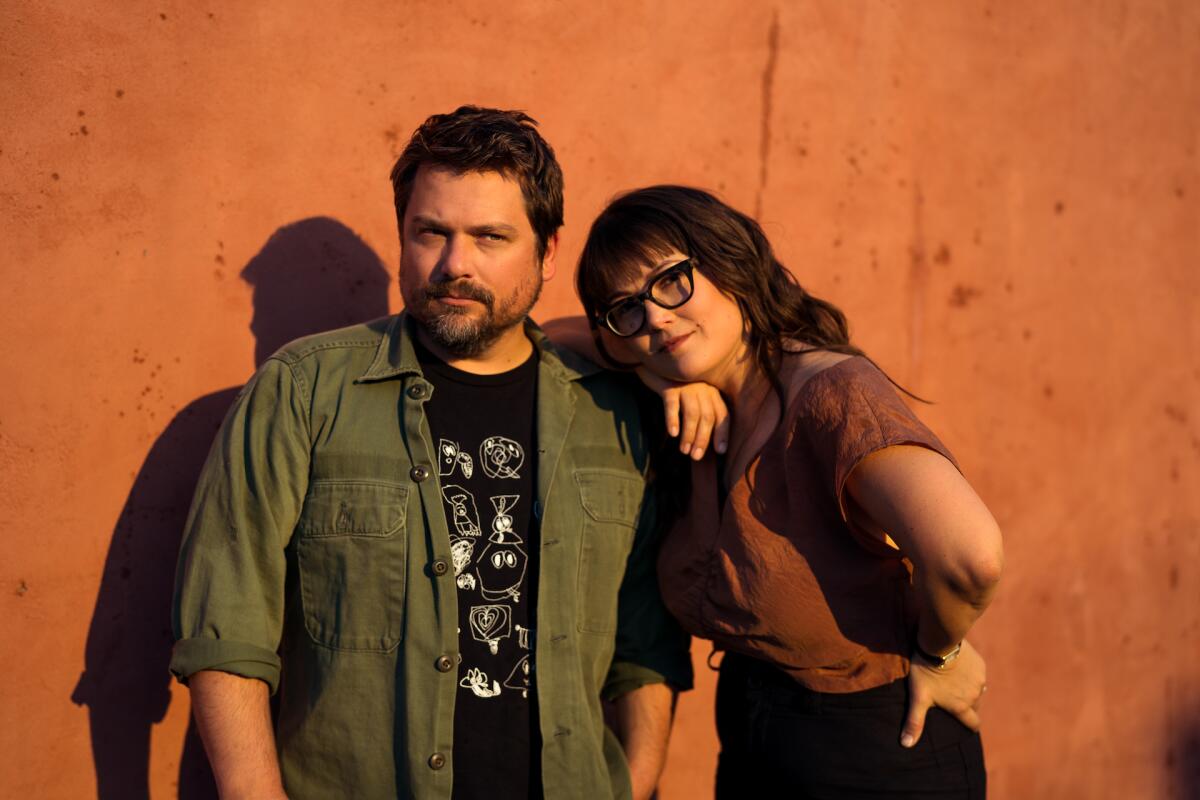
(720, 447)
(906, 740)
(673, 430)
(697, 454)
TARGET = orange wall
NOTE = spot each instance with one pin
(1003, 196)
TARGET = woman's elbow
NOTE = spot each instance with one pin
(980, 567)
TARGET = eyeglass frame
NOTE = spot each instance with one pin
(684, 267)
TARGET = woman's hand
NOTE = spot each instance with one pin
(957, 689)
(695, 412)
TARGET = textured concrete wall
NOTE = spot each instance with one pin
(1003, 196)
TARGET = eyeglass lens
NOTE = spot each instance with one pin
(671, 289)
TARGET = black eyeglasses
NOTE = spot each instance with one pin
(670, 289)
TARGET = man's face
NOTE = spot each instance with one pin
(469, 270)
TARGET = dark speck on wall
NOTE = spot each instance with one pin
(963, 295)
(1059, 207)
(162, 16)
(22, 588)
(54, 176)
(942, 256)
(120, 93)
(83, 129)
(1048, 391)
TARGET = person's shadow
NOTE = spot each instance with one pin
(310, 276)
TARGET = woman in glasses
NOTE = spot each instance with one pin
(835, 551)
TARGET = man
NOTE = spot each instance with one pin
(430, 533)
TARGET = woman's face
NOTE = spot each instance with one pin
(701, 340)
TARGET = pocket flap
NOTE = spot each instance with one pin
(610, 495)
(352, 508)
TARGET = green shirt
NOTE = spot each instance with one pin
(317, 558)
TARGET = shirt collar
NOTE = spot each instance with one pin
(396, 356)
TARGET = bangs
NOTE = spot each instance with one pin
(619, 248)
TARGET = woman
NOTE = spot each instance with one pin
(835, 552)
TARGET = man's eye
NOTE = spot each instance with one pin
(493, 237)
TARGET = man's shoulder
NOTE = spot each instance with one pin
(358, 340)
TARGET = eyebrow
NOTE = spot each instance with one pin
(474, 230)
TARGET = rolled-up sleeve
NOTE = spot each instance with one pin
(229, 584)
(651, 647)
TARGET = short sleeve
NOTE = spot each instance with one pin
(229, 583)
(850, 410)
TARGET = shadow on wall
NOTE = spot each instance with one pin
(310, 276)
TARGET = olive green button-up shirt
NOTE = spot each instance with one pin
(315, 559)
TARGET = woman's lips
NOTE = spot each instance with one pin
(670, 345)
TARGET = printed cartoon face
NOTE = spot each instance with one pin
(490, 624)
(452, 457)
(460, 554)
(501, 567)
(465, 514)
(503, 521)
(501, 457)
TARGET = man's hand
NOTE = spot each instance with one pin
(234, 719)
(643, 719)
(957, 689)
(695, 412)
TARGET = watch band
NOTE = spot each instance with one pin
(937, 662)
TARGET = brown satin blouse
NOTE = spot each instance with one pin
(778, 573)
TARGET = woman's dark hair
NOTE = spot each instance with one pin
(474, 139)
(727, 247)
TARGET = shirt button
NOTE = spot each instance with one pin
(444, 663)
(437, 761)
(440, 567)
(416, 391)
(418, 474)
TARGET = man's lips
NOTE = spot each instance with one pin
(671, 344)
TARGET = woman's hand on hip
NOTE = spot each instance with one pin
(957, 689)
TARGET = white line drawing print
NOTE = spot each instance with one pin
(490, 624)
(501, 457)
(519, 677)
(465, 514)
(501, 567)
(523, 636)
(460, 555)
(503, 503)
(477, 682)
(453, 456)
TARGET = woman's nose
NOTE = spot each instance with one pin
(657, 317)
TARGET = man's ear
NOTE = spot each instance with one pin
(549, 267)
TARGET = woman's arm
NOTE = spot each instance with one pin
(927, 507)
(695, 412)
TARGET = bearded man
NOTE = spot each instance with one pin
(429, 536)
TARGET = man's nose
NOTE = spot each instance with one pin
(456, 258)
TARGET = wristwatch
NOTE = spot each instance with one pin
(938, 662)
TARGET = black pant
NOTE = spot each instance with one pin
(778, 737)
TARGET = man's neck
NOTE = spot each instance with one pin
(509, 351)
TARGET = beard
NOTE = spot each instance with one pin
(465, 332)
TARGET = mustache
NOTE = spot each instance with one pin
(460, 287)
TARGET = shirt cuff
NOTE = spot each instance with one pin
(223, 655)
(625, 676)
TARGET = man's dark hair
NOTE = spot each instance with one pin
(474, 139)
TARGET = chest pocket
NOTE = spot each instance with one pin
(611, 501)
(350, 554)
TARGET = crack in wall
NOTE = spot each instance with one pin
(768, 92)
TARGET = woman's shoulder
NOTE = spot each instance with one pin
(809, 372)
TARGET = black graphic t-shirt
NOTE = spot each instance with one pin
(483, 427)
